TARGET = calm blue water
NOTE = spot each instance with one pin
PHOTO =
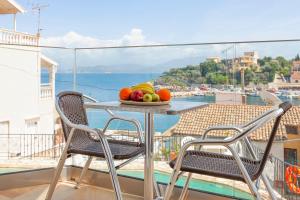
(105, 87)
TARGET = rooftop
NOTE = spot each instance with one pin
(10, 7)
(195, 122)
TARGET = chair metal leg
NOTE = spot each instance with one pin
(246, 176)
(269, 187)
(185, 187)
(171, 184)
(156, 187)
(84, 170)
(56, 176)
(127, 161)
(112, 170)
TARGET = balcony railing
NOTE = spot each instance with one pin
(30, 146)
(50, 146)
(46, 91)
(12, 37)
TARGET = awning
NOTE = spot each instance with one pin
(47, 62)
(10, 7)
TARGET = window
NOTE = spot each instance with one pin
(4, 138)
(32, 126)
(4, 128)
(292, 129)
(290, 156)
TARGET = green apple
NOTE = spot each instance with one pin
(147, 98)
(155, 97)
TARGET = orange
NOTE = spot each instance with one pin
(125, 93)
(164, 94)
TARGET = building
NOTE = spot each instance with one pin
(295, 72)
(249, 59)
(214, 59)
(295, 77)
(223, 97)
(193, 124)
(253, 56)
(27, 105)
(296, 66)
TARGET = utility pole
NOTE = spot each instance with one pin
(226, 62)
(243, 78)
(38, 8)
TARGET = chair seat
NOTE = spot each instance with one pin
(120, 149)
(218, 165)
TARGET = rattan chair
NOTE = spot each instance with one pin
(232, 166)
(81, 139)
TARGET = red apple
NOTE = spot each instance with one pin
(137, 95)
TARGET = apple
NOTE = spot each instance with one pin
(147, 98)
(155, 97)
(137, 95)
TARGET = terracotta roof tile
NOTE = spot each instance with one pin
(195, 122)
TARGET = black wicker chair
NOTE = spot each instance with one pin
(81, 139)
(232, 166)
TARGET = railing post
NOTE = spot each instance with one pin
(75, 69)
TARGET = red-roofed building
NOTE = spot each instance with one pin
(295, 73)
(295, 77)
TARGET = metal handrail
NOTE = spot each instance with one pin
(160, 45)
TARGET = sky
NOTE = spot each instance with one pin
(76, 23)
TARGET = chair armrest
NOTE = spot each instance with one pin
(90, 98)
(135, 122)
(87, 129)
(121, 117)
(216, 128)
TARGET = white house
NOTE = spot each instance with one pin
(27, 104)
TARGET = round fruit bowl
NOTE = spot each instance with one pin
(143, 103)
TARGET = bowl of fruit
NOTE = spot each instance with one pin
(144, 94)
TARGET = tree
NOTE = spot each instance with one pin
(215, 73)
(297, 57)
(207, 67)
(216, 78)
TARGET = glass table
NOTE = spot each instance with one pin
(175, 108)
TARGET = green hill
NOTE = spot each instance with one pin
(209, 72)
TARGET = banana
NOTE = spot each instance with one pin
(146, 84)
(145, 87)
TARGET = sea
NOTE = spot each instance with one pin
(105, 87)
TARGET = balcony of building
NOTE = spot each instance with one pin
(18, 38)
(48, 70)
(12, 36)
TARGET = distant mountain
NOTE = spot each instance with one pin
(179, 63)
(122, 68)
(139, 68)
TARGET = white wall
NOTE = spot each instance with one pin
(20, 90)
(19, 85)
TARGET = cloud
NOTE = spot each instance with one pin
(151, 56)
(156, 58)
(73, 39)
(135, 37)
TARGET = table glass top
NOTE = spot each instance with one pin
(175, 107)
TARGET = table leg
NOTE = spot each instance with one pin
(149, 164)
